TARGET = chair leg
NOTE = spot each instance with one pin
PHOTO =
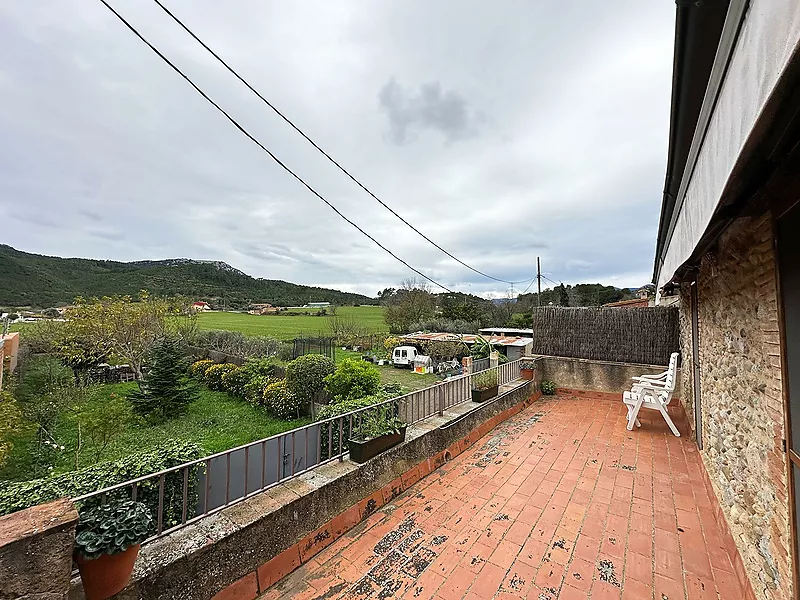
(633, 412)
(665, 414)
(638, 424)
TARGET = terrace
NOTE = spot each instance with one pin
(522, 496)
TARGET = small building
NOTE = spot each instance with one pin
(262, 309)
(318, 305)
(506, 331)
(200, 306)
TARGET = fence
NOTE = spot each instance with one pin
(633, 335)
(314, 345)
(183, 494)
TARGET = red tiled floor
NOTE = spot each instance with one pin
(560, 501)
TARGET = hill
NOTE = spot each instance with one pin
(42, 281)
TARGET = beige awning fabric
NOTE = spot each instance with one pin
(769, 35)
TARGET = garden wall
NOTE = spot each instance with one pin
(644, 336)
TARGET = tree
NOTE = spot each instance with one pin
(51, 313)
(127, 329)
(413, 302)
(305, 377)
(101, 422)
(168, 389)
(563, 296)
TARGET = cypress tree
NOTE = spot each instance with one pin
(167, 389)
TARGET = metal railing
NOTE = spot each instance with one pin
(186, 493)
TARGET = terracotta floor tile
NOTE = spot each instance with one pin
(570, 506)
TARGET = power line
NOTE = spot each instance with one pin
(323, 152)
(264, 148)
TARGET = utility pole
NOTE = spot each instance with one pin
(539, 281)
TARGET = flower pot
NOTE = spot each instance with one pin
(106, 575)
(526, 374)
(484, 395)
(362, 450)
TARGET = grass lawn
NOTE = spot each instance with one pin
(216, 422)
(289, 327)
(405, 377)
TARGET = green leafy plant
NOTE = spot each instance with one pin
(112, 528)
(482, 348)
(484, 380)
(167, 390)
(198, 368)
(280, 400)
(528, 365)
(254, 389)
(305, 376)
(235, 380)
(102, 422)
(376, 422)
(353, 379)
(392, 389)
(10, 424)
(214, 374)
(548, 388)
(329, 434)
(24, 494)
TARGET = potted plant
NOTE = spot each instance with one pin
(484, 386)
(107, 543)
(527, 368)
(548, 388)
(378, 430)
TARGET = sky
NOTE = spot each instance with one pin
(502, 130)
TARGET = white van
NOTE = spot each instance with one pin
(403, 356)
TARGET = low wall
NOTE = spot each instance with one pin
(36, 551)
(597, 375)
(242, 550)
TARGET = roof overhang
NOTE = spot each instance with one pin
(729, 76)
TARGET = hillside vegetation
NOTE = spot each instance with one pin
(42, 281)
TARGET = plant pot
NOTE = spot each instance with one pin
(484, 395)
(106, 575)
(526, 374)
(362, 450)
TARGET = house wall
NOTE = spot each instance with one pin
(741, 398)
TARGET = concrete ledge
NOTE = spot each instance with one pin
(251, 545)
(597, 375)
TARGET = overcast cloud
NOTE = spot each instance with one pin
(503, 130)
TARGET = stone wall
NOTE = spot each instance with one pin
(741, 398)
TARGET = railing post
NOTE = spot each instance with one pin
(466, 365)
(439, 391)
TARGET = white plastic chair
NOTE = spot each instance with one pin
(652, 394)
(661, 377)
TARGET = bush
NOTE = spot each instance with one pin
(444, 325)
(10, 423)
(280, 401)
(353, 379)
(237, 344)
(16, 496)
(548, 388)
(213, 375)
(305, 376)
(235, 380)
(199, 368)
(254, 389)
(392, 389)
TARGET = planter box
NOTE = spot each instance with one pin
(527, 374)
(362, 451)
(484, 395)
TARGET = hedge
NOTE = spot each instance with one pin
(18, 495)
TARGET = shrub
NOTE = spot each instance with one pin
(16, 496)
(392, 389)
(213, 375)
(10, 423)
(392, 342)
(280, 401)
(353, 379)
(548, 388)
(484, 380)
(235, 380)
(112, 528)
(199, 368)
(305, 376)
(528, 365)
(254, 389)
(286, 351)
(167, 389)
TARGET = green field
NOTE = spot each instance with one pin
(286, 327)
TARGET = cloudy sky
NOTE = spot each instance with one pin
(502, 130)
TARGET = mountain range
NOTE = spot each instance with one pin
(40, 281)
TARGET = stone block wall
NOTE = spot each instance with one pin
(741, 398)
